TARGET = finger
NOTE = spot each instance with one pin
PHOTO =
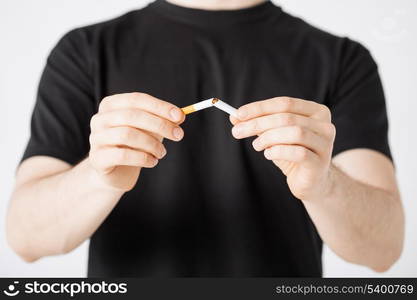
(261, 124)
(233, 120)
(128, 137)
(284, 105)
(138, 119)
(291, 135)
(157, 136)
(105, 159)
(145, 102)
(292, 153)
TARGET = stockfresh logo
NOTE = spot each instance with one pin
(64, 288)
(12, 290)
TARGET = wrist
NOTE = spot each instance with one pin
(326, 187)
(329, 184)
(98, 181)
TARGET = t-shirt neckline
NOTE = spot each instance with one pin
(215, 17)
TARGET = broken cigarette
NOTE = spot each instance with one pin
(197, 106)
(209, 103)
(224, 107)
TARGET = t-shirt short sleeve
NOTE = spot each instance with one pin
(358, 103)
(64, 103)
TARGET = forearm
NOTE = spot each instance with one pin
(361, 223)
(54, 214)
(55, 207)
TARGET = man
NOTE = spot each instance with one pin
(164, 195)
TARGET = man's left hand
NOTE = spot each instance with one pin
(297, 135)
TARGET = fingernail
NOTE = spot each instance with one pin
(175, 114)
(236, 130)
(178, 133)
(255, 144)
(163, 152)
(242, 114)
(154, 162)
(267, 153)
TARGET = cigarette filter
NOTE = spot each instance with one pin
(197, 106)
(208, 103)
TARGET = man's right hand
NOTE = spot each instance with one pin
(70, 202)
(126, 136)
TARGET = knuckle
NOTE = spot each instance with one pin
(247, 108)
(332, 130)
(142, 158)
(93, 121)
(301, 153)
(270, 136)
(152, 144)
(137, 95)
(326, 111)
(156, 105)
(259, 109)
(129, 115)
(157, 146)
(287, 119)
(133, 98)
(145, 159)
(286, 103)
(130, 101)
(324, 108)
(124, 134)
(106, 103)
(162, 126)
(121, 155)
(255, 126)
(91, 142)
(92, 158)
(92, 139)
(298, 132)
(147, 138)
(150, 160)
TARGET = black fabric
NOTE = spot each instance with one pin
(213, 206)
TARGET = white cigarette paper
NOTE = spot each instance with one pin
(209, 103)
(225, 107)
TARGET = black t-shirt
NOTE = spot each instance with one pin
(213, 206)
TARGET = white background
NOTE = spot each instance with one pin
(29, 29)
